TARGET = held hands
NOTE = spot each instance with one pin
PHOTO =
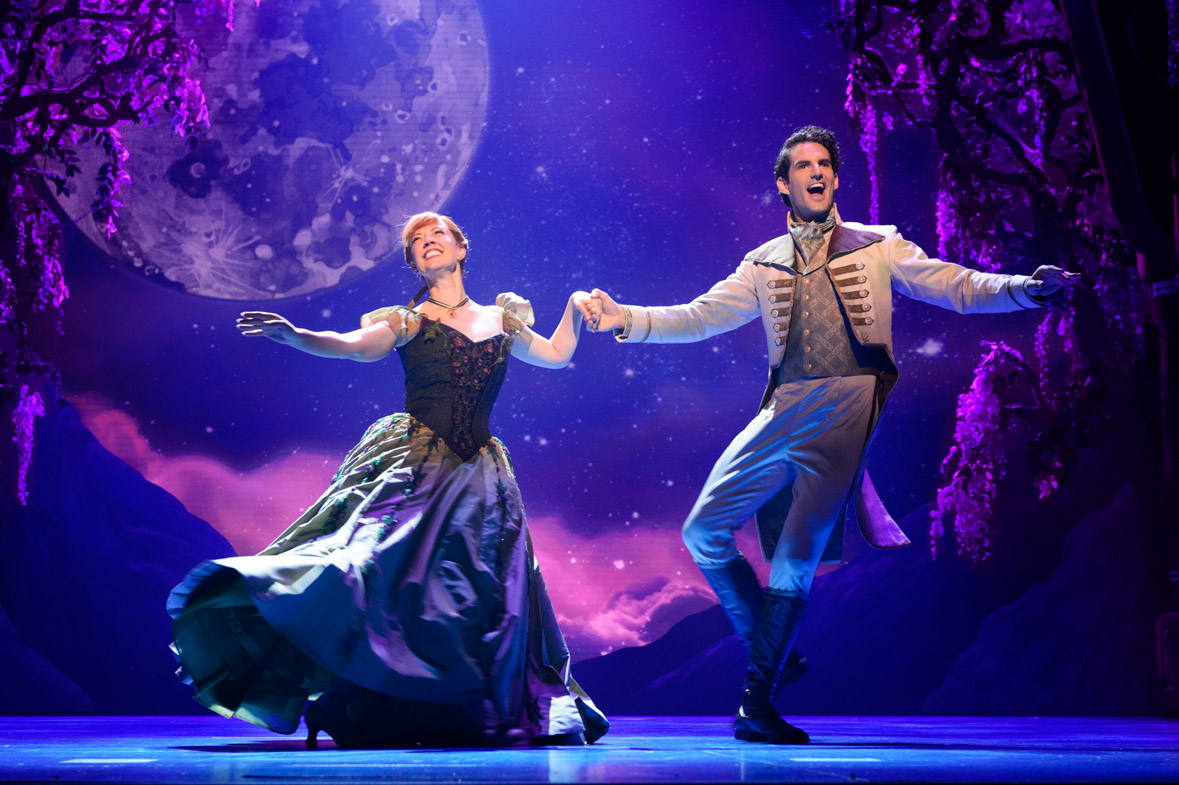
(268, 325)
(599, 309)
(1048, 280)
(606, 314)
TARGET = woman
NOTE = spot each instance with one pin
(407, 598)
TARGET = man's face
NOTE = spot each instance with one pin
(810, 182)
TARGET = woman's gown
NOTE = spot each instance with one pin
(411, 581)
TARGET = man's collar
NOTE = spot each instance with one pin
(793, 220)
(779, 252)
(844, 240)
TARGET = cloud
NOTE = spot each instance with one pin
(248, 508)
(601, 607)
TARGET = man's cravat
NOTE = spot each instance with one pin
(809, 236)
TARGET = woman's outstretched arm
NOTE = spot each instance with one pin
(364, 345)
(557, 350)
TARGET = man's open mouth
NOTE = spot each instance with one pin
(817, 188)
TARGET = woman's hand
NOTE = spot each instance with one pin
(588, 307)
(364, 345)
(267, 325)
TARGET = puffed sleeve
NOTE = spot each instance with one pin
(404, 322)
(517, 312)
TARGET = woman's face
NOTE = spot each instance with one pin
(435, 249)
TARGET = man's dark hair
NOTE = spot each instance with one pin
(808, 133)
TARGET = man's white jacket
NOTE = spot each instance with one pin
(865, 263)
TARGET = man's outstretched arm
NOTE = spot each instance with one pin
(726, 306)
(967, 290)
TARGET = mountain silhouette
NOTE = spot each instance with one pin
(898, 633)
(85, 569)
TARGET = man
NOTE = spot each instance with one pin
(823, 292)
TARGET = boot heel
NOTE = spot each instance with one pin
(750, 735)
(314, 723)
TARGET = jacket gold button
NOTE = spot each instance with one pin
(859, 265)
(863, 293)
(862, 279)
(868, 320)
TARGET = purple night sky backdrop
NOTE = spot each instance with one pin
(626, 149)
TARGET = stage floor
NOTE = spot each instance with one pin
(637, 749)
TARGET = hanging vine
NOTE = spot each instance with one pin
(71, 73)
(994, 83)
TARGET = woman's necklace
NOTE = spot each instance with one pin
(450, 308)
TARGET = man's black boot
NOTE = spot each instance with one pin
(756, 719)
(741, 597)
(740, 594)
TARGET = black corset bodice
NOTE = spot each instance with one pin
(451, 383)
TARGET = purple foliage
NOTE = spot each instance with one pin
(1021, 183)
(975, 462)
(28, 409)
(859, 106)
(71, 72)
(38, 247)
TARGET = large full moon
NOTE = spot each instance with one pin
(332, 120)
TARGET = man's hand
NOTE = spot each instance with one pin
(1048, 280)
(610, 315)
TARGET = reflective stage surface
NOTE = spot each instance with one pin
(637, 749)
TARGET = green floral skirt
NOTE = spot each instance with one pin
(413, 577)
